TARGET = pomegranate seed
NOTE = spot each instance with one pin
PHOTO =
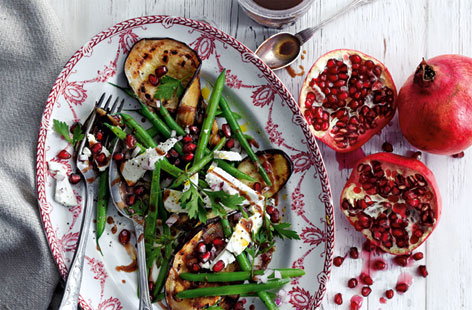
(195, 268)
(352, 283)
(418, 256)
(194, 129)
(99, 135)
(73, 126)
(353, 253)
(366, 291)
(173, 153)
(139, 190)
(101, 158)
(331, 63)
(458, 155)
(153, 79)
(118, 156)
(226, 130)
(416, 155)
(257, 187)
(379, 265)
(189, 147)
(64, 155)
(218, 242)
(275, 216)
(188, 157)
(389, 294)
(219, 265)
(387, 147)
(201, 247)
(130, 199)
(187, 139)
(338, 299)
(230, 143)
(74, 178)
(366, 279)
(355, 59)
(401, 260)
(124, 236)
(205, 257)
(338, 261)
(368, 246)
(130, 141)
(422, 271)
(401, 287)
(270, 210)
(160, 71)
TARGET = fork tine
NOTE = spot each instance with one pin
(118, 107)
(122, 104)
(113, 107)
(99, 102)
(107, 104)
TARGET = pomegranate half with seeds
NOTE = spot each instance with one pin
(346, 98)
(393, 200)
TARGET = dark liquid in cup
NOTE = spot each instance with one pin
(278, 4)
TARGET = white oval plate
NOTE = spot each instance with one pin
(271, 114)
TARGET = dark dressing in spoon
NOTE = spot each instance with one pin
(278, 4)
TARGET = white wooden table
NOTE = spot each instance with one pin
(399, 33)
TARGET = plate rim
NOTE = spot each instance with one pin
(248, 56)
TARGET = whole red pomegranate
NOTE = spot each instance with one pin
(435, 105)
(346, 98)
(393, 200)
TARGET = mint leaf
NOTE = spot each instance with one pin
(168, 88)
(62, 129)
(281, 230)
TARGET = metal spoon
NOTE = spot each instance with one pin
(116, 195)
(282, 49)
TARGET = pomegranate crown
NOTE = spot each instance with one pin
(424, 74)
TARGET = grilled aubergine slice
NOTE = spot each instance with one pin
(182, 63)
(182, 260)
(278, 165)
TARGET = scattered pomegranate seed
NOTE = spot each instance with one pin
(416, 155)
(218, 242)
(422, 271)
(130, 141)
(124, 236)
(195, 268)
(173, 153)
(366, 279)
(139, 190)
(99, 135)
(188, 157)
(352, 283)
(73, 126)
(201, 247)
(187, 139)
(130, 200)
(389, 294)
(230, 143)
(189, 147)
(205, 257)
(64, 155)
(226, 130)
(366, 291)
(353, 253)
(257, 187)
(387, 147)
(96, 148)
(101, 158)
(338, 299)
(458, 155)
(74, 178)
(401, 260)
(338, 261)
(275, 216)
(418, 256)
(160, 71)
(118, 156)
(379, 265)
(401, 287)
(270, 210)
(153, 79)
(219, 265)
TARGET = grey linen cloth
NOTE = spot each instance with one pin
(32, 53)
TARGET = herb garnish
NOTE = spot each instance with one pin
(168, 88)
(63, 130)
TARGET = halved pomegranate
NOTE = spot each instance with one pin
(393, 200)
(347, 97)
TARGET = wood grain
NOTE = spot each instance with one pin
(397, 32)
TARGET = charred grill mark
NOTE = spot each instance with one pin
(173, 52)
(182, 64)
(165, 59)
(146, 56)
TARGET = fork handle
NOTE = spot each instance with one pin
(74, 279)
(144, 297)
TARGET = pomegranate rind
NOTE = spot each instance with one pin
(318, 67)
(438, 118)
(406, 166)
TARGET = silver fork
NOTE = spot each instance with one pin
(74, 279)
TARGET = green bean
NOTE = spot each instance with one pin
(220, 114)
(197, 166)
(238, 275)
(151, 216)
(102, 204)
(226, 290)
(121, 134)
(236, 130)
(152, 131)
(245, 265)
(270, 294)
(235, 172)
(159, 297)
(210, 116)
(140, 133)
(170, 121)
